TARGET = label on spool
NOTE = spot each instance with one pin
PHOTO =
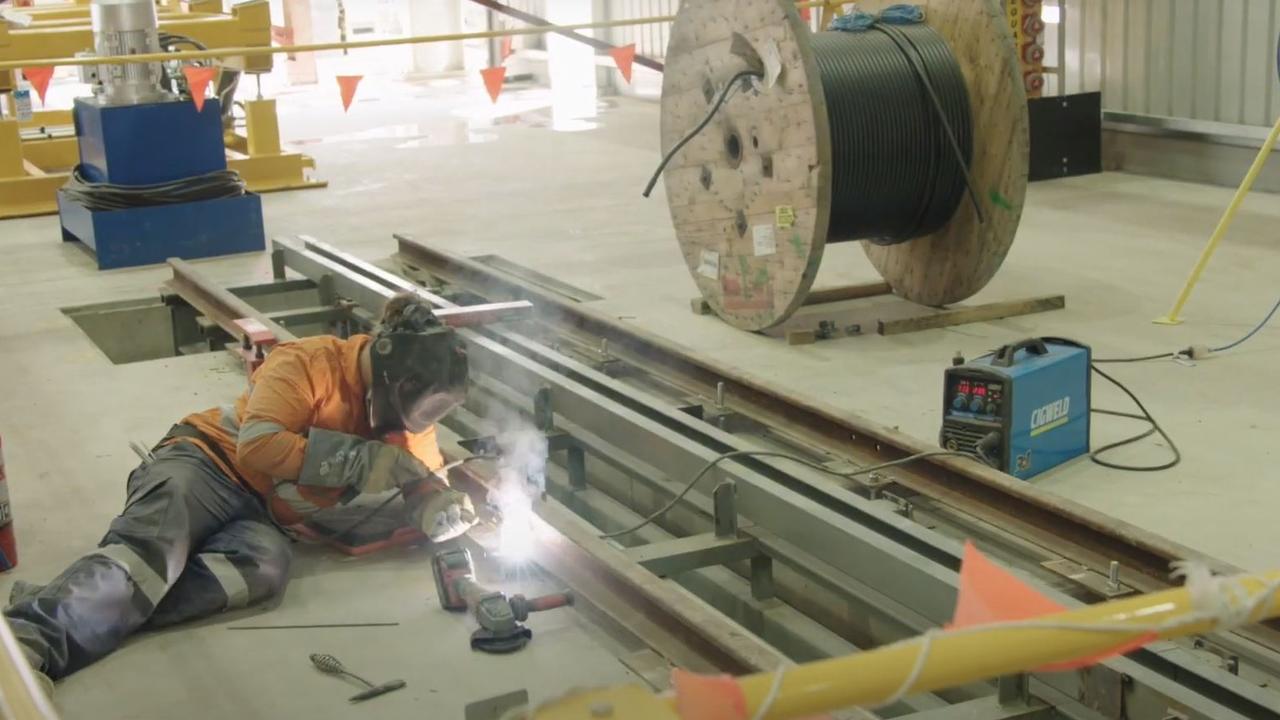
(762, 236)
(710, 265)
(784, 216)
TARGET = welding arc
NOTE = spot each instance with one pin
(785, 456)
(901, 132)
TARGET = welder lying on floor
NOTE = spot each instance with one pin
(199, 532)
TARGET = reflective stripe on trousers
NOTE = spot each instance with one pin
(189, 543)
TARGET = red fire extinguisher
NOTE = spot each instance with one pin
(8, 543)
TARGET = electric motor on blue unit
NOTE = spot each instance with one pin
(1023, 408)
(152, 182)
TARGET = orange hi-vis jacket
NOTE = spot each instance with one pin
(309, 383)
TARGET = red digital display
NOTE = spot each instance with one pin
(980, 391)
(962, 387)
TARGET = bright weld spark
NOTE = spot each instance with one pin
(515, 536)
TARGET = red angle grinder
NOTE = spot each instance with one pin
(500, 616)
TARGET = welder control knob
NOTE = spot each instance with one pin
(991, 408)
(976, 405)
(959, 402)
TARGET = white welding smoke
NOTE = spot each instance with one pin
(521, 476)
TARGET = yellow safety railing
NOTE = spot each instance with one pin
(956, 657)
(212, 54)
(1174, 315)
(21, 696)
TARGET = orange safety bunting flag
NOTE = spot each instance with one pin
(623, 57)
(347, 86)
(708, 697)
(198, 79)
(990, 594)
(38, 76)
(493, 79)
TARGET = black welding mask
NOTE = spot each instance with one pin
(419, 373)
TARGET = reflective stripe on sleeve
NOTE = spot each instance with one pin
(256, 429)
(289, 493)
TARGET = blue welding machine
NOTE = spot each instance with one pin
(1023, 408)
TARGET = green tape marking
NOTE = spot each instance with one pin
(999, 200)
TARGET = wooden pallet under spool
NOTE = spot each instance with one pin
(750, 196)
(828, 313)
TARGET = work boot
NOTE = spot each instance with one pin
(22, 590)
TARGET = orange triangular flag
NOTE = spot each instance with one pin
(493, 79)
(39, 76)
(505, 47)
(623, 57)
(708, 697)
(198, 79)
(990, 594)
(806, 14)
(347, 86)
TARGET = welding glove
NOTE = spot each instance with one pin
(446, 514)
(335, 459)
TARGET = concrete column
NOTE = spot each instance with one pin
(436, 17)
(571, 65)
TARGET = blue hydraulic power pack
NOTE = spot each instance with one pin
(1023, 408)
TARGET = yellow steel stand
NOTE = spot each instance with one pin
(248, 24)
(25, 189)
(32, 173)
(1174, 315)
(954, 658)
(258, 157)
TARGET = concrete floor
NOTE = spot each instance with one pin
(439, 162)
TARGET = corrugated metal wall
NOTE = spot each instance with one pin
(1201, 59)
(650, 40)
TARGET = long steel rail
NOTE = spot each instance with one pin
(992, 502)
(791, 516)
(1067, 528)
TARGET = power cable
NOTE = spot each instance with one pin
(785, 456)
(109, 196)
(1154, 428)
(1252, 332)
(1190, 352)
(724, 95)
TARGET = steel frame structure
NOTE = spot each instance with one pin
(37, 155)
(798, 567)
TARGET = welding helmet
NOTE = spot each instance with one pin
(419, 369)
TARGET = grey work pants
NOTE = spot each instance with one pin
(189, 543)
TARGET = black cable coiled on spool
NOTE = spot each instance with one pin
(896, 175)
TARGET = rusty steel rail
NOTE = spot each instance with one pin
(216, 303)
(1062, 526)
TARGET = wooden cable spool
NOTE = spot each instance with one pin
(750, 196)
